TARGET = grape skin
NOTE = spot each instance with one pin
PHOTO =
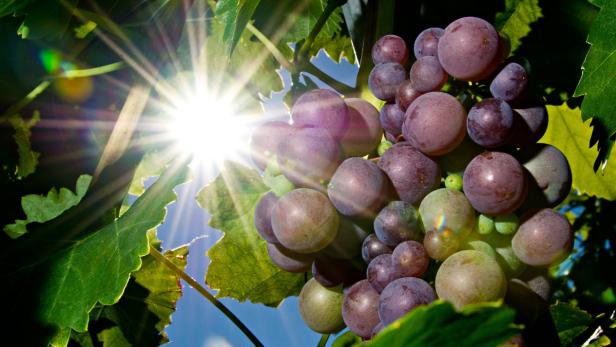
(426, 43)
(364, 131)
(391, 118)
(330, 272)
(321, 308)
(380, 272)
(384, 80)
(348, 241)
(397, 222)
(447, 209)
(288, 260)
(360, 308)
(266, 139)
(441, 244)
(490, 123)
(529, 125)
(263, 217)
(550, 171)
(409, 259)
(372, 247)
(390, 49)
(510, 83)
(427, 75)
(405, 95)
(321, 108)
(402, 296)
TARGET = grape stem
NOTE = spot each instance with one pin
(327, 79)
(323, 340)
(219, 305)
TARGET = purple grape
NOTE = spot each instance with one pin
(397, 222)
(490, 123)
(348, 241)
(529, 125)
(510, 83)
(440, 245)
(321, 108)
(309, 158)
(384, 80)
(435, 123)
(364, 132)
(380, 272)
(409, 259)
(402, 296)
(304, 221)
(288, 260)
(377, 329)
(391, 138)
(550, 172)
(360, 309)
(412, 173)
(545, 239)
(495, 183)
(359, 188)
(263, 217)
(468, 48)
(426, 43)
(405, 95)
(265, 140)
(427, 75)
(372, 247)
(390, 49)
(391, 119)
(321, 308)
(330, 272)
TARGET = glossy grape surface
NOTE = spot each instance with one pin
(490, 123)
(372, 247)
(384, 80)
(360, 309)
(398, 222)
(402, 296)
(364, 131)
(440, 245)
(265, 140)
(391, 118)
(446, 209)
(321, 308)
(380, 272)
(390, 49)
(409, 259)
(263, 217)
(321, 108)
(426, 43)
(405, 95)
(510, 83)
(427, 75)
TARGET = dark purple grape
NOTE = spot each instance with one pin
(391, 119)
(391, 138)
(384, 80)
(359, 188)
(348, 241)
(529, 125)
(468, 48)
(490, 123)
(330, 272)
(380, 272)
(360, 309)
(265, 140)
(321, 308)
(545, 239)
(310, 157)
(510, 83)
(372, 247)
(288, 260)
(456, 161)
(263, 217)
(398, 222)
(402, 296)
(405, 95)
(409, 259)
(390, 49)
(435, 123)
(412, 173)
(304, 221)
(321, 108)
(440, 245)
(426, 43)
(427, 75)
(495, 183)
(364, 132)
(550, 172)
(377, 329)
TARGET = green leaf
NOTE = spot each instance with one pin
(347, 339)
(515, 21)
(46, 19)
(28, 159)
(97, 268)
(598, 82)
(570, 321)
(240, 267)
(152, 164)
(440, 325)
(42, 209)
(113, 337)
(235, 14)
(336, 48)
(571, 135)
(14, 7)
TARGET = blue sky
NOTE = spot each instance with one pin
(196, 322)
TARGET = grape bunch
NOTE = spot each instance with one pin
(458, 206)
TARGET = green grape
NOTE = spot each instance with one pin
(441, 244)
(447, 209)
(321, 307)
(485, 224)
(481, 246)
(507, 224)
(383, 146)
(509, 262)
(454, 182)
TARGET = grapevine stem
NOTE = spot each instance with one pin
(323, 340)
(327, 79)
(270, 46)
(219, 305)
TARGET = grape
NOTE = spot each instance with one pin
(435, 123)
(331, 272)
(364, 132)
(348, 241)
(380, 272)
(321, 108)
(508, 261)
(469, 277)
(391, 137)
(550, 172)
(263, 217)
(377, 329)
(538, 281)
(372, 247)
(265, 140)
(391, 119)
(454, 182)
(495, 183)
(359, 188)
(304, 221)
(447, 209)
(390, 49)
(289, 260)
(545, 239)
(397, 222)
(426, 43)
(412, 173)
(529, 125)
(405, 95)
(360, 308)
(309, 158)
(506, 224)
(485, 224)
(510, 83)
(402, 296)
(409, 259)
(468, 48)
(427, 75)
(441, 244)
(480, 245)
(490, 123)
(457, 160)
(384, 80)
(321, 308)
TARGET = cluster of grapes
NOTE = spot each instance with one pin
(492, 223)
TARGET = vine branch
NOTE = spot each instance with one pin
(327, 79)
(323, 340)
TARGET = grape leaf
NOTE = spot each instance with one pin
(598, 82)
(240, 266)
(46, 19)
(570, 321)
(41, 209)
(152, 164)
(515, 21)
(571, 135)
(336, 48)
(235, 14)
(28, 159)
(439, 325)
